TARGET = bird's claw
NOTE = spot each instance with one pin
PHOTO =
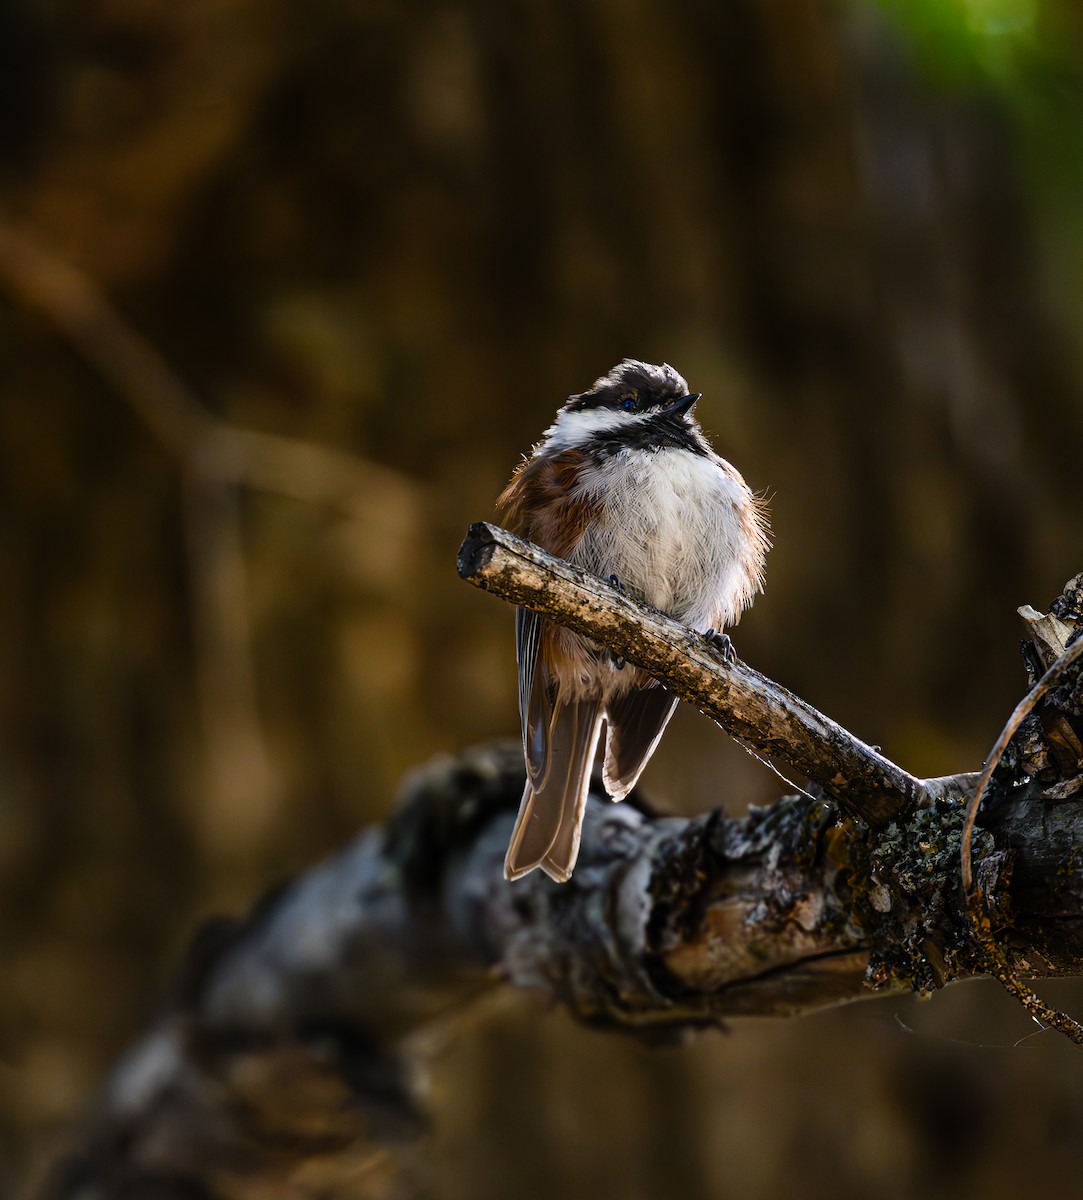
(723, 643)
(615, 659)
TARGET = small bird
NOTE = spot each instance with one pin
(625, 485)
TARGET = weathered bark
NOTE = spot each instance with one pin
(287, 1047)
(745, 703)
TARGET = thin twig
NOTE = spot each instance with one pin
(70, 301)
(215, 459)
(751, 707)
(217, 449)
(982, 926)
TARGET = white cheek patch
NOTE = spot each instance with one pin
(576, 428)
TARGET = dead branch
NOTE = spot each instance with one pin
(760, 713)
(752, 708)
(286, 1058)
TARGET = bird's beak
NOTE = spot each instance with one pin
(684, 405)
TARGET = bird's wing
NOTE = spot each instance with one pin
(635, 721)
(535, 704)
(550, 818)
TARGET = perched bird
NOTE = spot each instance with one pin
(625, 485)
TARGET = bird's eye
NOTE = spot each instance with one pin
(628, 403)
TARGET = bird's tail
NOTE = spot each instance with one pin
(550, 819)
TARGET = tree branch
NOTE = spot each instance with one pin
(751, 707)
(291, 1038)
(201, 442)
(286, 1055)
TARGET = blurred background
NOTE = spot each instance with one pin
(285, 290)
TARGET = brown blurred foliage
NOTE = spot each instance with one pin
(403, 233)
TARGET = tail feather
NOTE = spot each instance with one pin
(635, 722)
(550, 819)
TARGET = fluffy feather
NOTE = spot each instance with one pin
(620, 485)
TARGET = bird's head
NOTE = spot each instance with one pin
(631, 399)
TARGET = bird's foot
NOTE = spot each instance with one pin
(722, 642)
(615, 583)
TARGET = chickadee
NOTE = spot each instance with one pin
(625, 485)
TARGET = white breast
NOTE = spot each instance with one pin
(675, 528)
